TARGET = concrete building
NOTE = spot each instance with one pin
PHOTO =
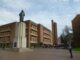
(76, 31)
(54, 32)
(35, 35)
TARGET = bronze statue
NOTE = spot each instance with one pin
(22, 14)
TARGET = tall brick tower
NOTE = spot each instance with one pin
(54, 32)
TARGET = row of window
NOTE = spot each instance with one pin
(34, 27)
(6, 38)
(4, 28)
(33, 38)
(5, 33)
(47, 32)
(46, 40)
(34, 32)
(47, 35)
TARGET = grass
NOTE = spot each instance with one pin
(76, 49)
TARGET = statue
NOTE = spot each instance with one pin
(22, 14)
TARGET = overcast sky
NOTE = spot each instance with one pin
(40, 11)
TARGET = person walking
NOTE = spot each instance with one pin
(70, 50)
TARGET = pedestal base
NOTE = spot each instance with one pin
(20, 35)
(24, 50)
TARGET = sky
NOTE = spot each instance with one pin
(40, 11)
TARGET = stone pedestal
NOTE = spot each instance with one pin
(20, 37)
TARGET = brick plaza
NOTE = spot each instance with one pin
(39, 54)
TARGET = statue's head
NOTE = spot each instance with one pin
(22, 13)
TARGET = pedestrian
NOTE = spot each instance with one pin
(70, 51)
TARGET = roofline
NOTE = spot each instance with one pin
(8, 24)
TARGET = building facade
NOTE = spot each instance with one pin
(76, 31)
(44, 36)
(36, 34)
(31, 33)
(7, 34)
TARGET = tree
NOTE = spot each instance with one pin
(66, 36)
